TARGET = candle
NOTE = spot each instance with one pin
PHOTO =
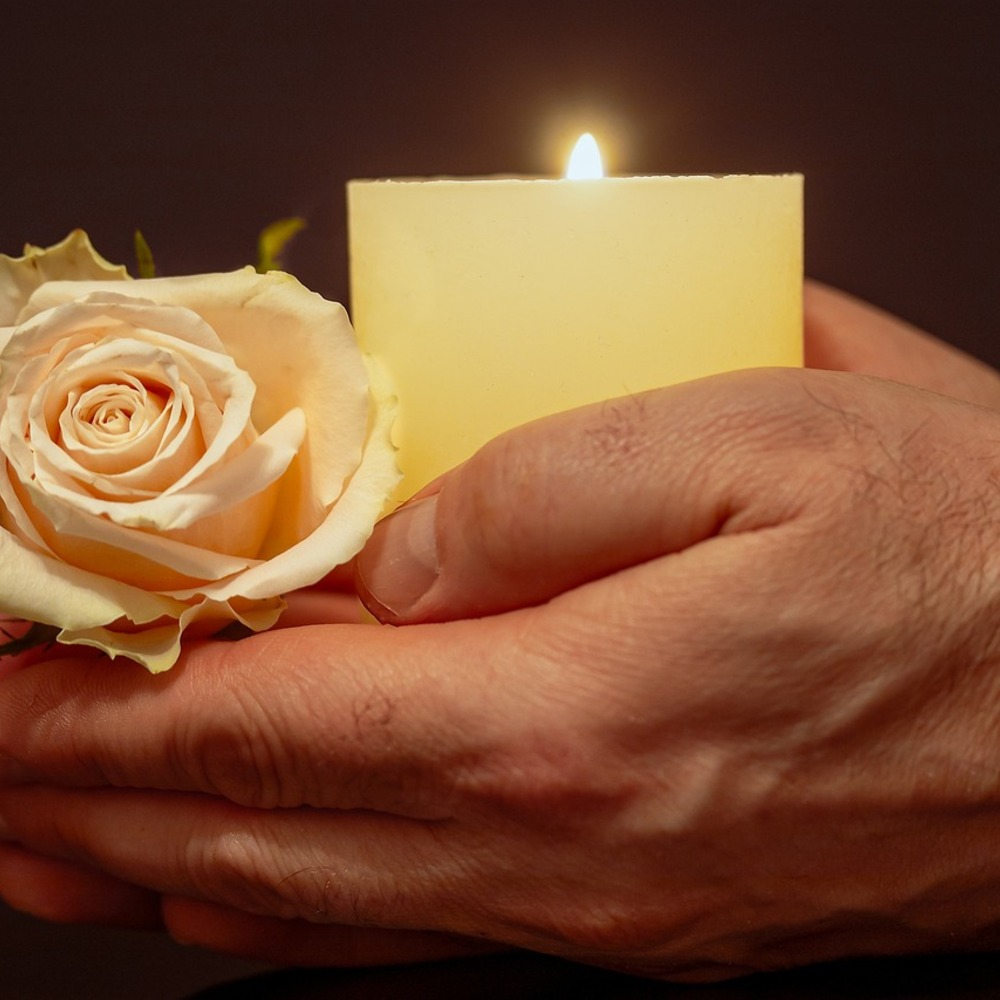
(498, 300)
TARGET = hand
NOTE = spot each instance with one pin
(844, 334)
(751, 726)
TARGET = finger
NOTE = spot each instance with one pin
(318, 606)
(340, 578)
(302, 943)
(575, 497)
(351, 868)
(343, 715)
(63, 892)
(845, 334)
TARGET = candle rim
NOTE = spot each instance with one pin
(543, 178)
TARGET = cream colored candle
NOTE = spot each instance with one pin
(492, 302)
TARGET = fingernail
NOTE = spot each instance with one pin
(400, 562)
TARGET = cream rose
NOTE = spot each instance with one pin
(176, 449)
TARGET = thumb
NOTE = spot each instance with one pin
(572, 498)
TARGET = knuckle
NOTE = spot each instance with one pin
(256, 872)
(238, 755)
(247, 870)
(772, 419)
(545, 783)
(234, 868)
(243, 749)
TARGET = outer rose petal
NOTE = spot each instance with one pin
(73, 259)
(157, 648)
(36, 587)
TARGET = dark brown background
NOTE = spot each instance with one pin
(201, 122)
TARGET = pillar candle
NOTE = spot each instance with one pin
(495, 301)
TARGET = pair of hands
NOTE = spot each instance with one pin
(691, 684)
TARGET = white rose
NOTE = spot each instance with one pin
(178, 450)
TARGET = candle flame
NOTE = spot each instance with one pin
(585, 161)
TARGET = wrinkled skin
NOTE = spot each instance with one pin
(720, 692)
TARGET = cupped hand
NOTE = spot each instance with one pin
(703, 681)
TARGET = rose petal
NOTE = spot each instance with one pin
(262, 463)
(14, 518)
(347, 527)
(326, 354)
(104, 418)
(157, 648)
(74, 258)
(57, 470)
(128, 305)
(167, 439)
(145, 559)
(201, 366)
(36, 587)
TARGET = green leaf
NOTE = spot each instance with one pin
(144, 257)
(272, 241)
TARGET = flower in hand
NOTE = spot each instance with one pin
(176, 450)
